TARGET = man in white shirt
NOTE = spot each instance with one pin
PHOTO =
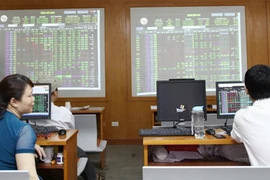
(250, 125)
(62, 118)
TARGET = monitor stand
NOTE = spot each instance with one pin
(172, 124)
(167, 123)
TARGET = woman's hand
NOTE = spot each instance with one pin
(40, 151)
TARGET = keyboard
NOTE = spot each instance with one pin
(44, 129)
(165, 132)
(227, 129)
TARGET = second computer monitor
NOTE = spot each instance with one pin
(231, 96)
(42, 107)
(175, 99)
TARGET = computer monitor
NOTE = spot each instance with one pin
(181, 79)
(231, 96)
(175, 96)
(42, 107)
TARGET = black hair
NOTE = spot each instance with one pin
(257, 81)
(12, 86)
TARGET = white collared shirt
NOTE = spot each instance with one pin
(252, 127)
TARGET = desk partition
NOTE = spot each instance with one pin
(205, 172)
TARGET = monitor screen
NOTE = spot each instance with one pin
(202, 42)
(42, 107)
(231, 96)
(175, 99)
(65, 43)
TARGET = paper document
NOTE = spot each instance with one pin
(80, 108)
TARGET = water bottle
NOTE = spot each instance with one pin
(197, 118)
(60, 158)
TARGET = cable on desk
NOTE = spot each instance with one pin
(225, 124)
(175, 125)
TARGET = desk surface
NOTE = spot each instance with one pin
(69, 144)
(55, 139)
(186, 140)
(90, 110)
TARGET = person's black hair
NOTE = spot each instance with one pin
(257, 81)
(12, 86)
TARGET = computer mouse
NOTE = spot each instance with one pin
(210, 131)
(62, 132)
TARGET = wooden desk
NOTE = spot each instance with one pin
(69, 144)
(99, 111)
(182, 140)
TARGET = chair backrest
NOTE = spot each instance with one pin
(205, 172)
(87, 136)
(14, 175)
